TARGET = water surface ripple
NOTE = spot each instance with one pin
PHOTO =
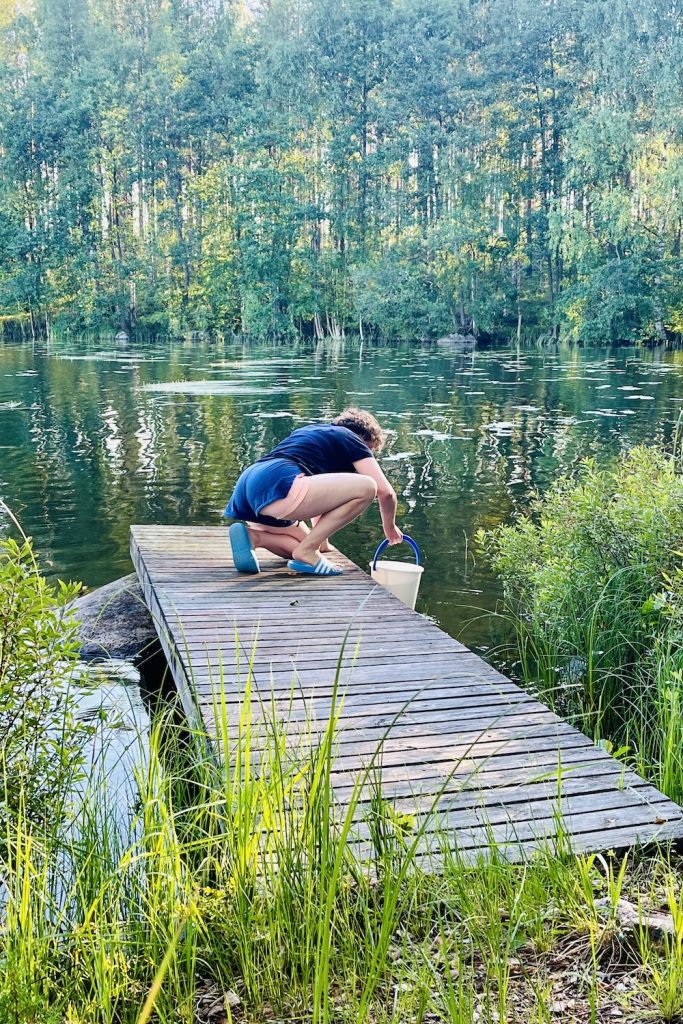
(94, 438)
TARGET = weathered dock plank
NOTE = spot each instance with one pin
(455, 734)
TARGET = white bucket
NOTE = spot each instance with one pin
(401, 578)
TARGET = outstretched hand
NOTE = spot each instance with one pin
(393, 535)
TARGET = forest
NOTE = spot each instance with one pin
(401, 169)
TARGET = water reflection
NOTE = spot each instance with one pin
(104, 803)
(110, 702)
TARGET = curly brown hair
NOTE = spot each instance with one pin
(364, 424)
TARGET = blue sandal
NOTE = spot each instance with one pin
(321, 568)
(242, 552)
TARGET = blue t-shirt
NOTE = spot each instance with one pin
(322, 448)
(318, 448)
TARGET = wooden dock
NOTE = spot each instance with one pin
(498, 764)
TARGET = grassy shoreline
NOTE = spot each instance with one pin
(238, 893)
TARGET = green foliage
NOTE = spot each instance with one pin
(398, 294)
(245, 884)
(41, 741)
(593, 579)
(609, 303)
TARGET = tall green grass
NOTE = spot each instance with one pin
(242, 879)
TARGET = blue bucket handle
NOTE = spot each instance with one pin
(385, 544)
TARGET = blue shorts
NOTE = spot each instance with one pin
(258, 486)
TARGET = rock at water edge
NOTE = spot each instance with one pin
(115, 621)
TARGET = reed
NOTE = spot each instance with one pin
(241, 879)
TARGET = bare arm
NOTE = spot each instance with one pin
(386, 495)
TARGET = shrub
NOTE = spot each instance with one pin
(41, 746)
(592, 579)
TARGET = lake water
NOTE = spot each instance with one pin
(94, 437)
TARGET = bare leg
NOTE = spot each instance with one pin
(279, 541)
(309, 548)
(325, 546)
(334, 500)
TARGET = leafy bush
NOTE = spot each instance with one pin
(592, 577)
(41, 746)
(398, 295)
(610, 302)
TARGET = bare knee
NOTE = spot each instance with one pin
(367, 488)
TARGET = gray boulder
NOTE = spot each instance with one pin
(115, 621)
